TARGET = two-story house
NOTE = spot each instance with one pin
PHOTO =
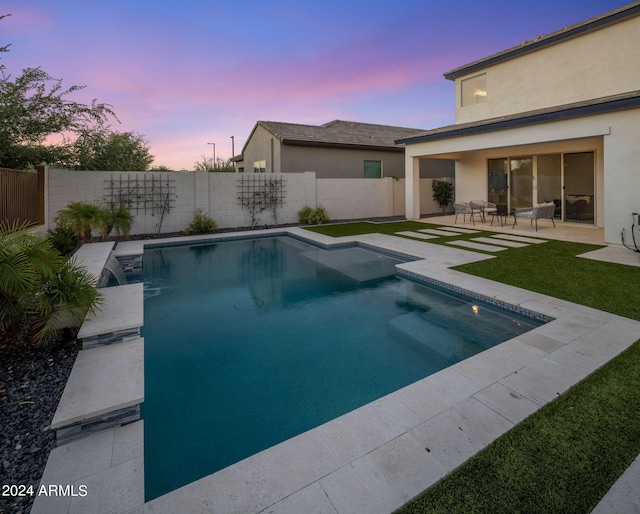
(555, 119)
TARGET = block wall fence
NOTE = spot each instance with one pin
(217, 194)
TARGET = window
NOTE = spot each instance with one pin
(372, 169)
(474, 90)
(259, 166)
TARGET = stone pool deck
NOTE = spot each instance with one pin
(373, 459)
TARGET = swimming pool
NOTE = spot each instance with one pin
(249, 343)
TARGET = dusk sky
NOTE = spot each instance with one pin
(192, 72)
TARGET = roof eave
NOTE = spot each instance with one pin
(551, 39)
(351, 146)
(531, 119)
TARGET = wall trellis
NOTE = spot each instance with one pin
(258, 193)
(154, 194)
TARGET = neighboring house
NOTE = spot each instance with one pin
(555, 119)
(338, 149)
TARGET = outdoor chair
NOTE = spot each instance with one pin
(476, 207)
(488, 208)
(464, 208)
(483, 208)
(540, 211)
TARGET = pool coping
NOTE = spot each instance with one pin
(377, 457)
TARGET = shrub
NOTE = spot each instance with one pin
(201, 224)
(63, 239)
(310, 216)
(305, 214)
(38, 287)
(80, 217)
(110, 218)
(83, 218)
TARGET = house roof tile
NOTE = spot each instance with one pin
(339, 133)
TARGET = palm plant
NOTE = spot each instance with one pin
(81, 217)
(64, 300)
(110, 218)
(38, 286)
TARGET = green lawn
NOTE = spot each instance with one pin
(567, 455)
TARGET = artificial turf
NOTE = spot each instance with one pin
(563, 458)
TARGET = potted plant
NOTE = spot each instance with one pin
(442, 193)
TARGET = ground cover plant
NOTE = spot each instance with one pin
(566, 456)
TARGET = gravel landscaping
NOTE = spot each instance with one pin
(32, 379)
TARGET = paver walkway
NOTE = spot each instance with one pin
(493, 243)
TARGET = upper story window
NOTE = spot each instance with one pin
(474, 90)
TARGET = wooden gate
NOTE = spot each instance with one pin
(22, 196)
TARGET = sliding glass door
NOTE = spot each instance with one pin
(549, 181)
(579, 187)
(520, 182)
(498, 190)
(567, 180)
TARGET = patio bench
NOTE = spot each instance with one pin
(540, 211)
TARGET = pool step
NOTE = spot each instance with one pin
(119, 319)
(105, 389)
(449, 346)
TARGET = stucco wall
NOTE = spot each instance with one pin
(339, 162)
(329, 162)
(259, 148)
(217, 195)
(621, 181)
(594, 65)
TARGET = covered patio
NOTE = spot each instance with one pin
(574, 155)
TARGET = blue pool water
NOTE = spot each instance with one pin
(249, 343)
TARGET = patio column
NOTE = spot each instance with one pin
(412, 187)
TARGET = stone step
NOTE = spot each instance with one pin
(477, 246)
(522, 239)
(439, 232)
(499, 242)
(461, 230)
(105, 389)
(417, 235)
(119, 319)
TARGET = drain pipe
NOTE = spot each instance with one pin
(634, 223)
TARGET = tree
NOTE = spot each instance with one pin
(34, 106)
(100, 148)
(442, 193)
(207, 164)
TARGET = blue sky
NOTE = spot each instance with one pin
(192, 72)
